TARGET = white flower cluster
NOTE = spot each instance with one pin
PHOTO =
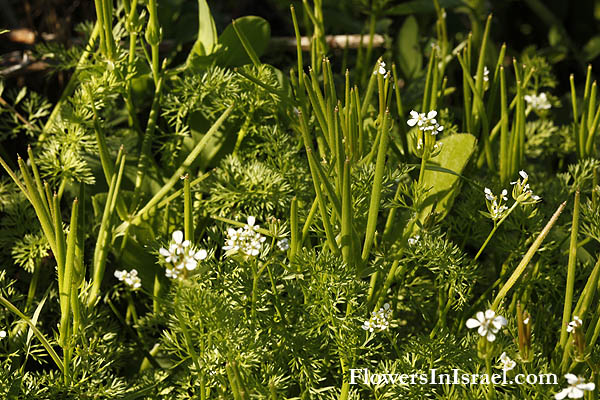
(425, 123)
(495, 207)
(538, 102)
(180, 255)
(413, 240)
(577, 388)
(130, 278)
(246, 240)
(2, 334)
(506, 363)
(380, 69)
(488, 324)
(521, 190)
(576, 323)
(379, 320)
(486, 74)
(283, 244)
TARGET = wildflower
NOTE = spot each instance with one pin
(488, 324)
(486, 74)
(413, 240)
(522, 193)
(283, 244)
(425, 123)
(2, 334)
(538, 102)
(577, 388)
(416, 118)
(380, 69)
(246, 239)
(180, 255)
(172, 273)
(130, 278)
(379, 320)
(191, 258)
(180, 244)
(573, 325)
(506, 363)
(170, 255)
(496, 209)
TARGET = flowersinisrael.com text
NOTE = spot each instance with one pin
(455, 377)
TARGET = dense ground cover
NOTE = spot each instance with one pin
(202, 216)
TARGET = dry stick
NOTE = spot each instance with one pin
(525, 261)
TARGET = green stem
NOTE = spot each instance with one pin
(570, 272)
(494, 229)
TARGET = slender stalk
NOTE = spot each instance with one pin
(570, 272)
(144, 157)
(65, 296)
(376, 189)
(181, 170)
(187, 210)
(104, 235)
(494, 229)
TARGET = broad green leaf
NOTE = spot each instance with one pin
(591, 50)
(256, 30)
(207, 32)
(409, 52)
(455, 153)
(206, 43)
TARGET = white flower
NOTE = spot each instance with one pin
(426, 123)
(486, 74)
(576, 389)
(506, 363)
(246, 239)
(379, 320)
(180, 244)
(170, 255)
(488, 324)
(130, 278)
(171, 273)
(416, 118)
(413, 240)
(380, 69)
(181, 255)
(522, 192)
(576, 323)
(488, 194)
(497, 209)
(538, 102)
(2, 334)
(191, 258)
(283, 244)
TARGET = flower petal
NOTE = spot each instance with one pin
(200, 254)
(178, 237)
(572, 379)
(472, 323)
